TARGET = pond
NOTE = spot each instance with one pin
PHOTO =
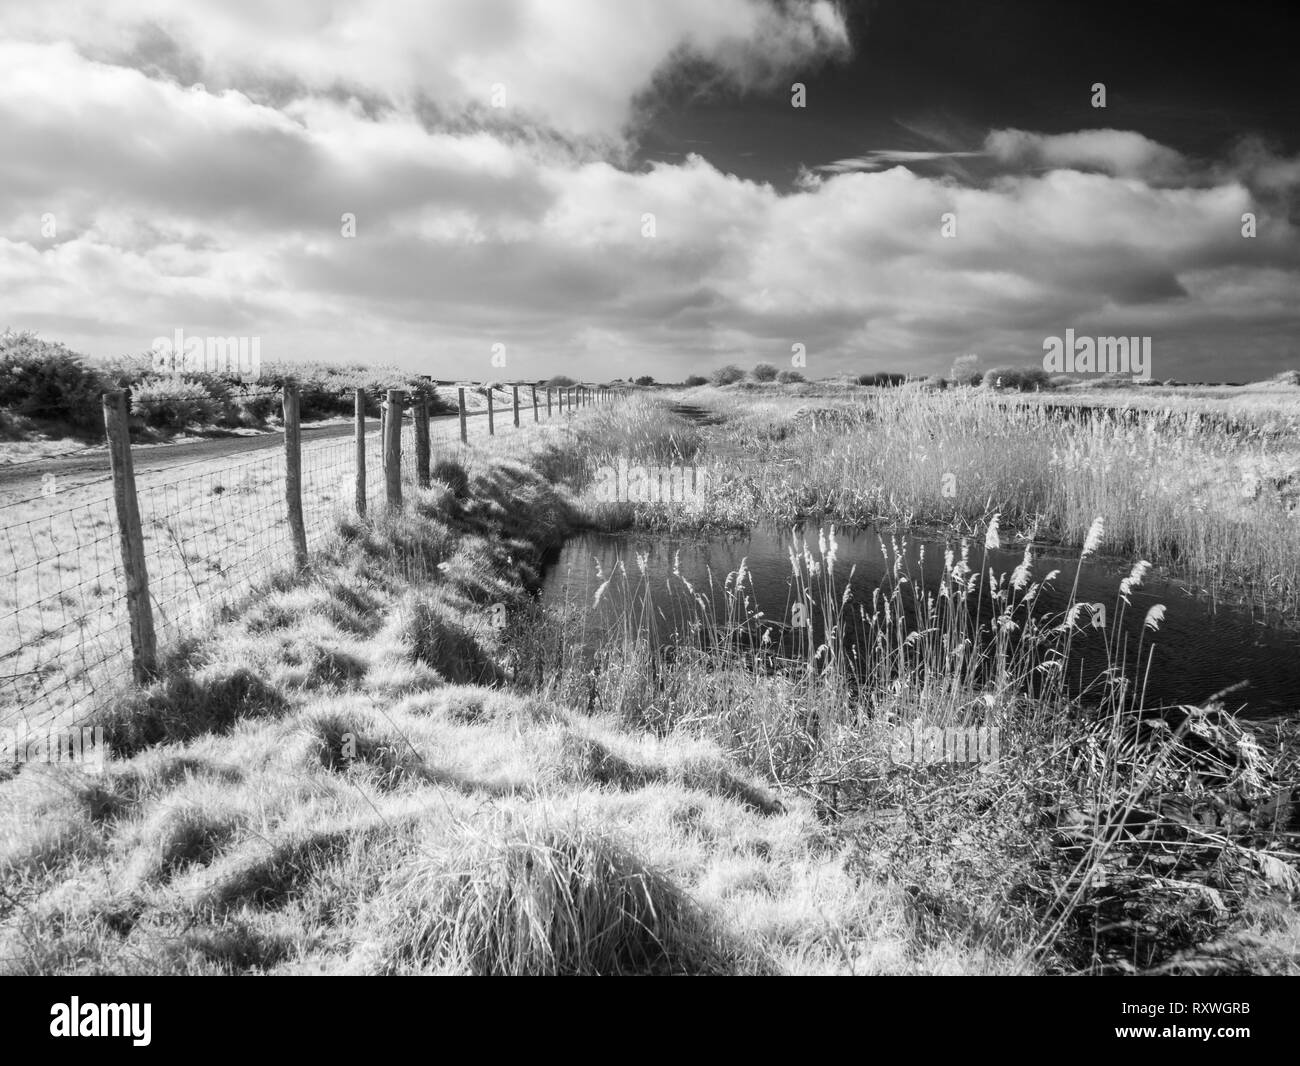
(1200, 648)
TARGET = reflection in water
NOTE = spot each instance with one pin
(1199, 650)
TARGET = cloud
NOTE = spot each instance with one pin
(1121, 153)
(576, 67)
(218, 209)
(880, 159)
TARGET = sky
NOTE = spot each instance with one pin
(607, 188)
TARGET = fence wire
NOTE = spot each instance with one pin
(213, 528)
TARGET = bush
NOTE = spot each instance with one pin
(936, 382)
(254, 404)
(174, 403)
(222, 390)
(727, 375)
(44, 380)
(644, 379)
(326, 390)
(965, 370)
(882, 379)
(1020, 379)
(694, 380)
(128, 371)
(764, 372)
(560, 381)
(790, 377)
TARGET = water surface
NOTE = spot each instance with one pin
(1200, 648)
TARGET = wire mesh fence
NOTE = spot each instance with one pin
(212, 528)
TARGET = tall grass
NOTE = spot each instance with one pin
(817, 708)
(1220, 507)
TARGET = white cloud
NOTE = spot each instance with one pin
(575, 67)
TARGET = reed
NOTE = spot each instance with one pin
(817, 708)
(1213, 500)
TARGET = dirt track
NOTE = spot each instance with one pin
(20, 480)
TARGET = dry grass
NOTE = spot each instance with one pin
(325, 784)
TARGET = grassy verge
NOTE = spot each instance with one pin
(333, 783)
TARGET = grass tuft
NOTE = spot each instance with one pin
(552, 901)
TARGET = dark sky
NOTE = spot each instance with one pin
(929, 74)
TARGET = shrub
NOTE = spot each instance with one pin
(764, 372)
(727, 375)
(254, 404)
(1020, 379)
(790, 377)
(936, 382)
(174, 403)
(128, 371)
(694, 380)
(222, 390)
(644, 379)
(560, 381)
(41, 379)
(965, 370)
(326, 390)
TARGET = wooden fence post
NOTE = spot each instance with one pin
(422, 443)
(548, 401)
(460, 403)
(293, 475)
(144, 643)
(491, 418)
(393, 448)
(514, 390)
(536, 416)
(359, 409)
